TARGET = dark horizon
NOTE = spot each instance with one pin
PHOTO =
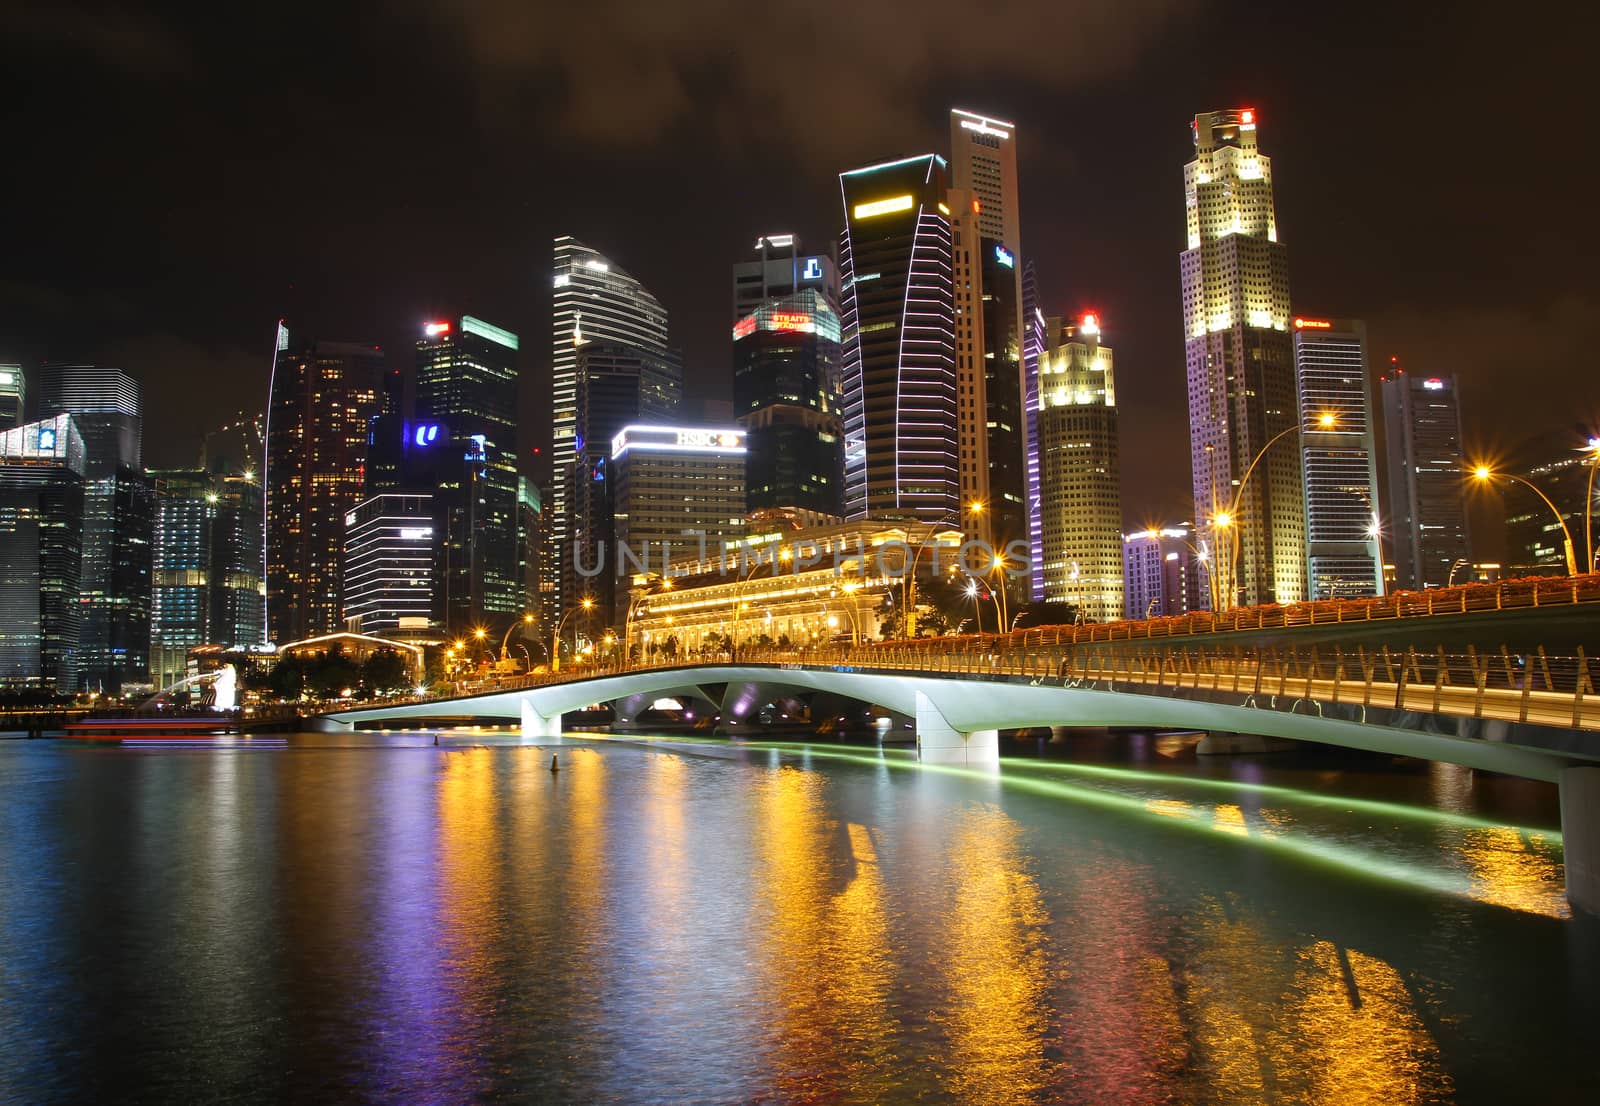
(193, 182)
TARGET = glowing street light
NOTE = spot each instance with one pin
(1485, 475)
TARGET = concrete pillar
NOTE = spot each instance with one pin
(1240, 744)
(539, 727)
(938, 742)
(1580, 835)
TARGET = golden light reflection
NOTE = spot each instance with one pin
(1508, 870)
(467, 887)
(1351, 1035)
(1230, 819)
(829, 975)
(995, 967)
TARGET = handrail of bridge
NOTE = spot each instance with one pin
(1534, 591)
(1536, 687)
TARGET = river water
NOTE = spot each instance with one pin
(375, 918)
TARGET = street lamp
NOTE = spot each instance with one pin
(999, 566)
(527, 619)
(1588, 506)
(909, 591)
(1227, 519)
(1485, 475)
(555, 642)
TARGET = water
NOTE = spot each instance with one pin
(375, 918)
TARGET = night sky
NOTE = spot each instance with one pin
(177, 181)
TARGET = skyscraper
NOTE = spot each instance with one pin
(1162, 575)
(1033, 343)
(898, 325)
(467, 384)
(322, 399)
(1427, 502)
(1240, 363)
(786, 396)
(1338, 459)
(13, 396)
(679, 496)
(207, 578)
(41, 554)
(1080, 499)
(594, 300)
(389, 561)
(780, 269)
(992, 359)
(118, 516)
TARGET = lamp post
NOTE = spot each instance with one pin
(1229, 519)
(1588, 507)
(973, 583)
(909, 592)
(555, 642)
(527, 619)
(637, 605)
(1484, 474)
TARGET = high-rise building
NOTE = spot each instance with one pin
(1561, 466)
(322, 400)
(786, 396)
(13, 396)
(1240, 363)
(1338, 459)
(41, 554)
(235, 448)
(534, 549)
(1162, 574)
(778, 270)
(1033, 343)
(1427, 501)
(119, 520)
(207, 578)
(679, 498)
(991, 355)
(467, 385)
(1080, 499)
(898, 325)
(594, 301)
(389, 553)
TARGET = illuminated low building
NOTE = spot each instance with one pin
(828, 584)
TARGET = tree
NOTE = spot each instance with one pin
(384, 670)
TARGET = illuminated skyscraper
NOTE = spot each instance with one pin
(594, 300)
(898, 326)
(786, 351)
(41, 554)
(389, 553)
(1240, 363)
(467, 386)
(1080, 498)
(1427, 500)
(1162, 575)
(13, 396)
(1338, 459)
(119, 511)
(322, 400)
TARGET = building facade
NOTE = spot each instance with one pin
(322, 400)
(781, 269)
(594, 301)
(1163, 574)
(1338, 459)
(467, 386)
(786, 396)
(119, 520)
(41, 555)
(207, 568)
(1080, 497)
(1562, 467)
(389, 564)
(13, 396)
(679, 497)
(1427, 468)
(1240, 364)
(898, 328)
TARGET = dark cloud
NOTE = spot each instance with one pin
(134, 42)
(822, 78)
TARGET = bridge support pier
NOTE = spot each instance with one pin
(1580, 835)
(938, 742)
(1216, 744)
(536, 726)
(320, 724)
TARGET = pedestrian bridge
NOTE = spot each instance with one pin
(1536, 716)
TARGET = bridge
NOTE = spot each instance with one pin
(1529, 715)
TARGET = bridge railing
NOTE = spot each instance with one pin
(1537, 687)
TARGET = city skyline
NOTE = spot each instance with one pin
(1105, 153)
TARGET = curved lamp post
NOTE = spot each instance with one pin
(555, 641)
(1229, 519)
(1484, 474)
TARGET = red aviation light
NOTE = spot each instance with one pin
(1248, 117)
